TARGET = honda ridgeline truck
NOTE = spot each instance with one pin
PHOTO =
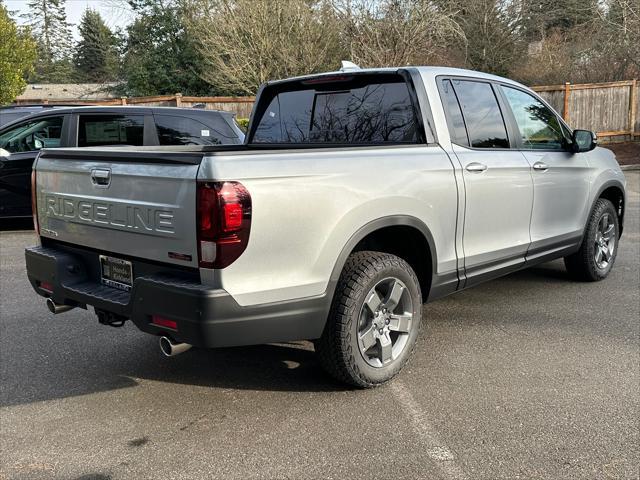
(357, 196)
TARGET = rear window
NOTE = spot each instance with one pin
(347, 110)
(97, 130)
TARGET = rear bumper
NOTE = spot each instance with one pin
(205, 317)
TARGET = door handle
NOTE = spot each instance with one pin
(540, 166)
(476, 167)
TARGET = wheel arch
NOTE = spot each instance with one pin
(613, 191)
(376, 234)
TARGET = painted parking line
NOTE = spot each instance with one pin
(436, 449)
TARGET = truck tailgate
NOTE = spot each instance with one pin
(123, 204)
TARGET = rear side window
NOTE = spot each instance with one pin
(33, 135)
(346, 110)
(96, 130)
(457, 131)
(173, 130)
(482, 115)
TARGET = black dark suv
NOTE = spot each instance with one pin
(12, 113)
(22, 139)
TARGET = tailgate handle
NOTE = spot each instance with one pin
(101, 177)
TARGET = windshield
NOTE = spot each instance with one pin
(8, 117)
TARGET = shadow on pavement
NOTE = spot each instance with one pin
(274, 367)
(553, 272)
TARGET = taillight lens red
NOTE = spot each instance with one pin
(224, 221)
(232, 217)
(328, 79)
(34, 202)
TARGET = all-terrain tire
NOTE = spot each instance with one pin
(583, 265)
(338, 349)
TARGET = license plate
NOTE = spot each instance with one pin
(116, 273)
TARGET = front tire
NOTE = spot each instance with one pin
(599, 248)
(374, 320)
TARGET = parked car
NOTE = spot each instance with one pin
(12, 113)
(357, 196)
(23, 139)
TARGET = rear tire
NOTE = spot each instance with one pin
(599, 248)
(374, 320)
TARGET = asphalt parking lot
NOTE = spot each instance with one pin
(529, 376)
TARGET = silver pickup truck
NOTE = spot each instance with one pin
(357, 196)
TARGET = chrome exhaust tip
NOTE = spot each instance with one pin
(57, 308)
(171, 349)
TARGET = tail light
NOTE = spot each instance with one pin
(328, 79)
(224, 221)
(34, 202)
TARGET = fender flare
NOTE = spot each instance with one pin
(362, 232)
(602, 188)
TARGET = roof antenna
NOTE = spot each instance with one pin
(348, 66)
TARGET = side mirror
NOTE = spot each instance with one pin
(584, 141)
(4, 153)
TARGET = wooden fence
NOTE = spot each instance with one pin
(241, 106)
(610, 109)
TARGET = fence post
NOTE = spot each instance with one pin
(178, 99)
(123, 100)
(633, 98)
(565, 109)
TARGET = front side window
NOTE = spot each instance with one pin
(33, 135)
(350, 110)
(482, 115)
(173, 130)
(97, 130)
(538, 125)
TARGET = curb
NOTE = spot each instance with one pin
(630, 167)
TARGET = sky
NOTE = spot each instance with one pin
(114, 12)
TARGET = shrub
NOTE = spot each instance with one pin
(243, 123)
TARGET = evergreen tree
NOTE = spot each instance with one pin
(49, 26)
(96, 57)
(159, 55)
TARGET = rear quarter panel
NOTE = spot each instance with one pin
(307, 204)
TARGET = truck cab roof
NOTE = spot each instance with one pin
(424, 71)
